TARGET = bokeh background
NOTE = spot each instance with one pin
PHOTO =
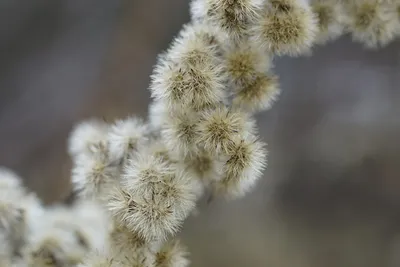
(331, 195)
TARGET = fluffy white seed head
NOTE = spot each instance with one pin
(129, 249)
(232, 17)
(63, 236)
(172, 254)
(157, 148)
(204, 167)
(123, 240)
(12, 217)
(18, 208)
(6, 252)
(373, 23)
(91, 223)
(217, 128)
(180, 133)
(247, 160)
(88, 138)
(189, 75)
(181, 87)
(86, 221)
(148, 177)
(187, 87)
(157, 115)
(198, 10)
(168, 83)
(19, 211)
(98, 259)
(53, 246)
(331, 19)
(286, 27)
(243, 61)
(13, 207)
(258, 94)
(124, 136)
(9, 180)
(196, 165)
(153, 199)
(93, 177)
(196, 44)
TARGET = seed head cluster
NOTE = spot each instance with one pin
(135, 180)
(32, 234)
(374, 23)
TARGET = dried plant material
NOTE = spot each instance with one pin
(198, 10)
(373, 23)
(6, 251)
(9, 180)
(331, 18)
(93, 177)
(153, 199)
(244, 61)
(172, 254)
(218, 128)
(98, 259)
(258, 94)
(194, 88)
(247, 160)
(232, 17)
(204, 166)
(88, 137)
(53, 247)
(286, 27)
(124, 136)
(127, 248)
(157, 115)
(180, 133)
(136, 181)
(195, 45)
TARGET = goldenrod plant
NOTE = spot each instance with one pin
(137, 180)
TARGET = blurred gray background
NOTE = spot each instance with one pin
(331, 195)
